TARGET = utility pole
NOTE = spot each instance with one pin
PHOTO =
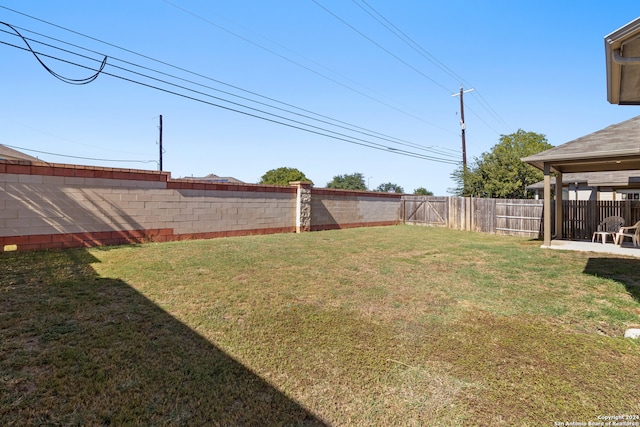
(463, 126)
(160, 164)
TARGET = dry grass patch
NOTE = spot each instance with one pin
(379, 326)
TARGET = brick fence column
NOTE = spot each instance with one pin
(303, 206)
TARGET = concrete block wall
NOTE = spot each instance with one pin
(44, 206)
(334, 209)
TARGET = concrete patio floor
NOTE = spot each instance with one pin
(626, 249)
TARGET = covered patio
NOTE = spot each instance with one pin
(625, 249)
(615, 148)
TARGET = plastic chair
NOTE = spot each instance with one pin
(632, 231)
(609, 226)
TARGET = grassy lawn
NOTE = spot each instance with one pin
(378, 326)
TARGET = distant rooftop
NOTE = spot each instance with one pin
(7, 153)
(217, 179)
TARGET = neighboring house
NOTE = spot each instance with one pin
(7, 153)
(612, 185)
(218, 179)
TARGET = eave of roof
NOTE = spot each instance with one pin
(614, 179)
(616, 147)
(621, 46)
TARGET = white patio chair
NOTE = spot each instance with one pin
(609, 226)
(632, 231)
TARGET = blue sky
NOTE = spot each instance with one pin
(327, 64)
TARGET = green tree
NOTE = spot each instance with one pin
(389, 187)
(500, 173)
(355, 181)
(283, 176)
(421, 191)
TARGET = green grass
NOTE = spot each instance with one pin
(378, 326)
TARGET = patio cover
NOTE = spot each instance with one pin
(615, 148)
(615, 180)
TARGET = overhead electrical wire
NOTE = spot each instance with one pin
(490, 109)
(404, 38)
(255, 109)
(350, 127)
(68, 80)
(386, 23)
(382, 20)
(399, 33)
(381, 47)
(438, 150)
(218, 81)
(359, 92)
(35, 129)
(78, 157)
(481, 119)
(278, 44)
(278, 119)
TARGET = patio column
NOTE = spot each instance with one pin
(547, 205)
(559, 187)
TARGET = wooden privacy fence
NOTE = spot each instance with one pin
(514, 216)
(498, 216)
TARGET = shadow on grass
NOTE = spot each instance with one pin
(77, 349)
(622, 270)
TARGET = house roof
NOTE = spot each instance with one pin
(613, 148)
(7, 153)
(622, 55)
(614, 179)
(218, 179)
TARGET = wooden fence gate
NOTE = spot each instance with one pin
(423, 210)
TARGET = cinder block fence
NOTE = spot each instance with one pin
(44, 206)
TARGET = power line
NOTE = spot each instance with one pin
(70, 140)
(488, 108)
(351, 126)
(367, 133)
(399, 33)
(303, 66)
(297, 125)
(242, 105)
(482, 120)
(385, 137)
(78, 157)
(380, 46)
(68, 80)
(382, 20)
(306, 58)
